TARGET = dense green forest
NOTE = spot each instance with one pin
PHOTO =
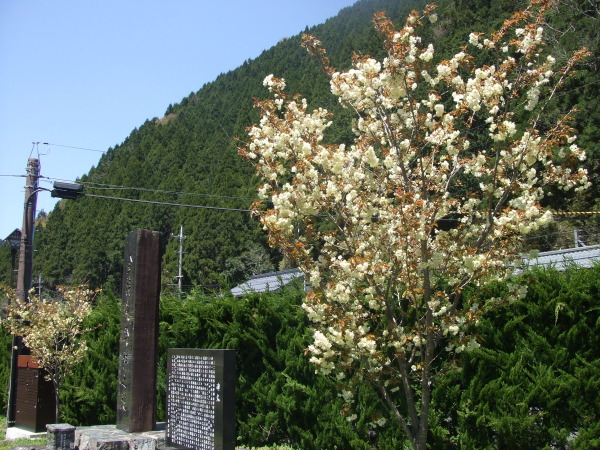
(190, 155)
(532, 384)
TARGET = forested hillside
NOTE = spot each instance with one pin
(190, 155)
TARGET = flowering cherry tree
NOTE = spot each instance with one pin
(448, 166)
(52, 330)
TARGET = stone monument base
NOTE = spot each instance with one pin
(109, 437)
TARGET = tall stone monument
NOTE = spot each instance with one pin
(136, 394)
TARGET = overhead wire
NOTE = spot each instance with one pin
(152, 202)
(161, 191)
(73, 147)
(102, 186)
(180, 193)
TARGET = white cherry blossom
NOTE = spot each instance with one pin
(392, 227)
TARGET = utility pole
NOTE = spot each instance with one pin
(26, 251)
(179, 277)
(24, 276)
(61, 190)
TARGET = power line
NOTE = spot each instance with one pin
(160, 191)
(557, 213)
(74, 147)
(167, 203)
(101, 186)
(248, 210)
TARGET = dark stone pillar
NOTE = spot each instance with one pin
(136, 396)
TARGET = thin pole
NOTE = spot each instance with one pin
(180, 275)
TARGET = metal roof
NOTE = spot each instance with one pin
(585, 257)
(267, 282)
(561, 259)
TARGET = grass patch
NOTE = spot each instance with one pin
(23, 442)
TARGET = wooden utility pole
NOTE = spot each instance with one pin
(26, 252)
(24, 274)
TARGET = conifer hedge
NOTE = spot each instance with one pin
(279, 398)
(534, 382)
(5, 354)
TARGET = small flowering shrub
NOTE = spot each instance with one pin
(447, 170)
(52, 330)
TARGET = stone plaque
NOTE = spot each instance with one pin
(60, 436)
(201, 399)
(136, 394)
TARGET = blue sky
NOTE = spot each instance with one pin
(85, 74)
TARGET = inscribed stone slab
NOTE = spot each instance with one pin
(201, 399)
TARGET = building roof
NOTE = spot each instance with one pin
(585, 257)
(267, 282)
(561, 259)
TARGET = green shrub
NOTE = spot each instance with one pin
(532, 384)
(534, 381)
(279, 398)
(89, 396)
(5, 355)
